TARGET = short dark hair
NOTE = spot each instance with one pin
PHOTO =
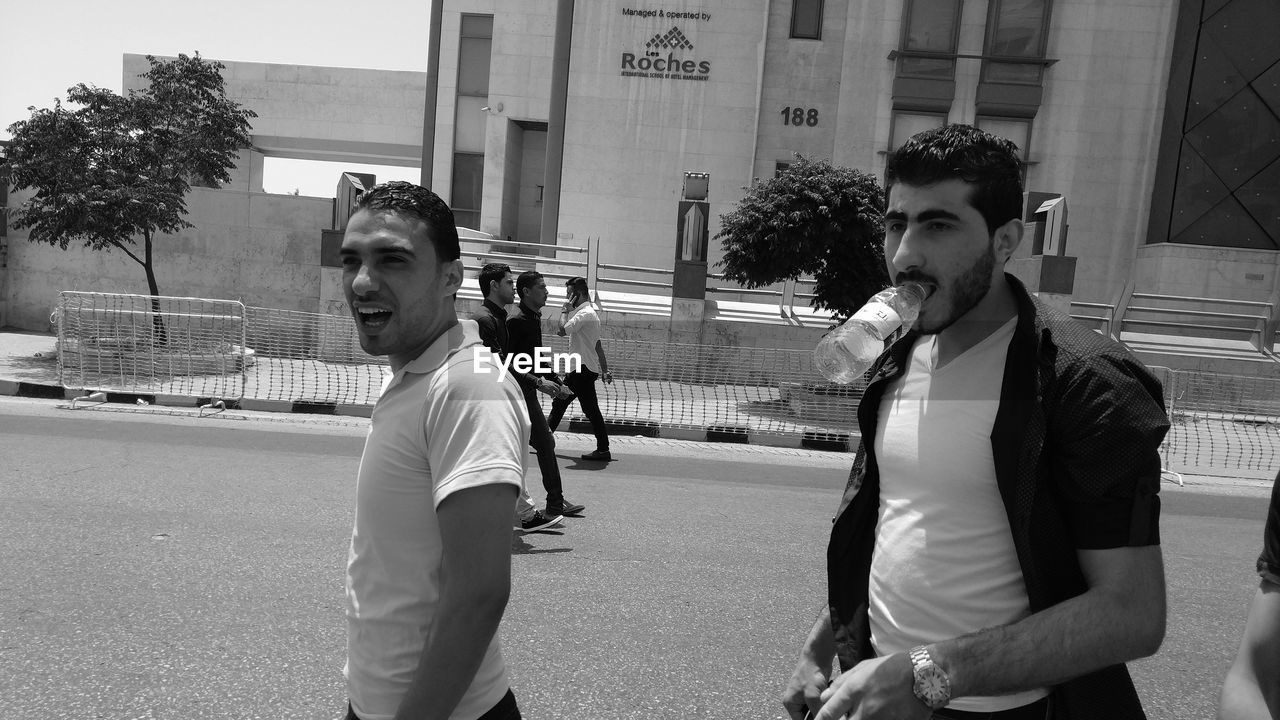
(526, 280)
(963, 152)
(577, 283)
(405, 198)
(492, 272)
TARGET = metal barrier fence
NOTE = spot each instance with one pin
(1220, 424)
(137, 343)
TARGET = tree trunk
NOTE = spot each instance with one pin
(157, 321)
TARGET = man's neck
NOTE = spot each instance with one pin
(495, 305)
(996, 308)
(525, 309)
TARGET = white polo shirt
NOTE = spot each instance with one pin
(439, 426)
(583, 328)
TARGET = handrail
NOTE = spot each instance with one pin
(1197, 313)
(638, 283)
(523, 258)
(632, 268)
(1212, 301)
(522, 243)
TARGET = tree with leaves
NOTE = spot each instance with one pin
(812, 218)
(116, 168)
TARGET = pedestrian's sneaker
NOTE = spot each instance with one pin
(598, 455)
(566, 509)
(539, 521)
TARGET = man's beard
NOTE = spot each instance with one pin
(967, 292)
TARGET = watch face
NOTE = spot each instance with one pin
(932, 686)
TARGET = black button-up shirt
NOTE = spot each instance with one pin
(1076, 446)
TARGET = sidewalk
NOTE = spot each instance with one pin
(29, 368)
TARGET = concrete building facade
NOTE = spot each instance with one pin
(734, 89)
(1157, 120)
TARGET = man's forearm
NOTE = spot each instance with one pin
(455, 648)
(820, 646)
(1075, 637)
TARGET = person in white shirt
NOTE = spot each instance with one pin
(580, 321)
(996, 554)
(429, 566)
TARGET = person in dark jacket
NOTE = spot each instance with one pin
(497, 284)
(996, 552)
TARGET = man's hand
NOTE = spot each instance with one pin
(877, 689)
(607, 377)
(804, 690)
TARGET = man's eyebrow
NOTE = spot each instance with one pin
(397, 250)
(923, 216)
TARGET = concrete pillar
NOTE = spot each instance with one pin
(1049, 277)
(433, 88)
(555, 122)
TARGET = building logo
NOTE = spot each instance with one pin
(653, 64)
(673, 40)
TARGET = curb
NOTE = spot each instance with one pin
(809, 439)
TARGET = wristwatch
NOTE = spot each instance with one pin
(932, 686)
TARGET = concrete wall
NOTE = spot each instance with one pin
(257, 248)
(323, 113)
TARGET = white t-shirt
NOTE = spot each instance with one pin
(583, 327)
(438, 427)
(944, 563)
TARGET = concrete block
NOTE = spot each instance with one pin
(681, 433)
(354, 410)
(8, 387)
(175, 400)
(266, 405)
(788, 440)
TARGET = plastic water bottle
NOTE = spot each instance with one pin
(846, 352)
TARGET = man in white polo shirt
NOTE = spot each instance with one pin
(429, 569)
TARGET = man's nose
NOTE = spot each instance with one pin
(364, 282)
(906, 255)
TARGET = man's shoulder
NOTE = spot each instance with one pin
(1074, 342)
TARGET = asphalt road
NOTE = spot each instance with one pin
(155, 565)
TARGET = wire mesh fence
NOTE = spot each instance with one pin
(138, 343)
(1220, 424)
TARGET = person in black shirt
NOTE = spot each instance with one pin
(496, 282)
(1252, 688)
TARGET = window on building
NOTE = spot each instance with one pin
(931, 26)
(1016, 29)
(906, 124)
(475, 44)
(468, 186)
(1016, 130)
(780, 167)
(806, 19)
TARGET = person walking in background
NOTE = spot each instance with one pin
(580, 321)
(429, 566)
(1251, 690)
(996, 552)
(497, 284)
(524, 337)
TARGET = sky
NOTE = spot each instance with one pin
(50, 45)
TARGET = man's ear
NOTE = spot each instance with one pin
(1006, 238)
(452, 275)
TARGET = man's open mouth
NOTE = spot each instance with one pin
(372, 318)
